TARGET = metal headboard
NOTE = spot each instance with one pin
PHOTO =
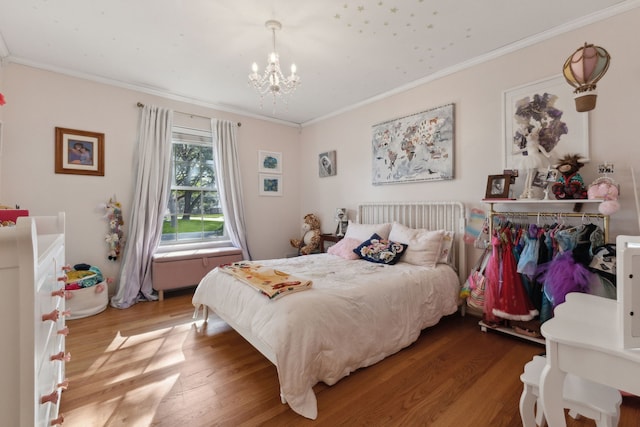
(447, 215)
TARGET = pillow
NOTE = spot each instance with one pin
(362, 232)
(344, 248)
(379, 250)
(423, 245)
(445, 249)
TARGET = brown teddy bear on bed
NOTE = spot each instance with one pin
(310, 241)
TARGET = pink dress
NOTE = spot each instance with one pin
(493, 282)
(513, 302)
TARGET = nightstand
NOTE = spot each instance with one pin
(328, 238)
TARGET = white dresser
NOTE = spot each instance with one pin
(32, 306)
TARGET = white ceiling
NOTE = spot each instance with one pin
(347, 52)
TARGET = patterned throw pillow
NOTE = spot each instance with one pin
(379, 250)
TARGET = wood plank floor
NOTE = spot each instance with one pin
(152, 365)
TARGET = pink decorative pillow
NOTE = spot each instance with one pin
(344, 248)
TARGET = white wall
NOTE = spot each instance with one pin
(39, 101)
(477, 95)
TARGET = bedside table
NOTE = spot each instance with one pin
(328, 238)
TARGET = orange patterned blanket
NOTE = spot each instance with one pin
(270, 282)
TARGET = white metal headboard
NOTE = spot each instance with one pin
(447, 215)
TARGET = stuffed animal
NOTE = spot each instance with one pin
(607, 190)
(570, 184)
(310, 241)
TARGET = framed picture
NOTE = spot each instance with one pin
(544, 110)
(498, 187)
(327, 164)
(79, 152)
(270, 184)
(269, 162)
(414, 148)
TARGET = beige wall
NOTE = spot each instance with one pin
(40, 100)
(477, 95)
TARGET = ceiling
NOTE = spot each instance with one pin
(347, 52)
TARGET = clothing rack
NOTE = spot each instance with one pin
(140, 105)
(548, 214)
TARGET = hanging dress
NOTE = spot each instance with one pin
(513, 302)
(493, 282)
(528, 261)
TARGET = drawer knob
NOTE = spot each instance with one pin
(62, 278)
(58, 293)
(53, 316)
(62, 356)
(66, 313)
(64, 331)
(57, 421)
(64, 384)
(53, 397)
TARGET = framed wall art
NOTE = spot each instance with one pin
(79, 152)
(270, 184)
(414, 148)
(498, 187)
(544, 111)
(327, 164)
(269, 162)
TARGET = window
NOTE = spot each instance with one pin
(193, 213)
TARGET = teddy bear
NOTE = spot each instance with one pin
(570, 184)
(310, 241)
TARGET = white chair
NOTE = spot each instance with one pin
(581, 397)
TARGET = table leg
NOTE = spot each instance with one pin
(551, 386)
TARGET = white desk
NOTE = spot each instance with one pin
(582, 339)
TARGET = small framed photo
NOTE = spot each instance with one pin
(270, 184)
(498, 187)
(79, 152)
(327, 164)
(269, 162)
(552, 175)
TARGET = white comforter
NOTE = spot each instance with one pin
(355, 314)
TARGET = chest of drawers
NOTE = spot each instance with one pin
(32, 256)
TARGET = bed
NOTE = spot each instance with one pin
(354, 312)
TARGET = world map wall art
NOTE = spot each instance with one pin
(414, 148)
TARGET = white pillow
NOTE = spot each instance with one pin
(363, 232)
(424, 245)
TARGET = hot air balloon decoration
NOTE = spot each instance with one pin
(582, 70)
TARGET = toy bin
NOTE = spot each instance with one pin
(86, 292)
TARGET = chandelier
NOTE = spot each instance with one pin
(272, 81)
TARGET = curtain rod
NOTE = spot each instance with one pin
(140, 105)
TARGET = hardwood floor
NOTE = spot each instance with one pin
(152, 365)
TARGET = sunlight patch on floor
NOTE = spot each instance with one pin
(141, 404)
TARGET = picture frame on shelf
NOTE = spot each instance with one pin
(498, 187)
(546, 105)
(79, 152)
(269, 161)
(270, 184)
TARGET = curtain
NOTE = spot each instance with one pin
(152, 168)
(230, 184)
